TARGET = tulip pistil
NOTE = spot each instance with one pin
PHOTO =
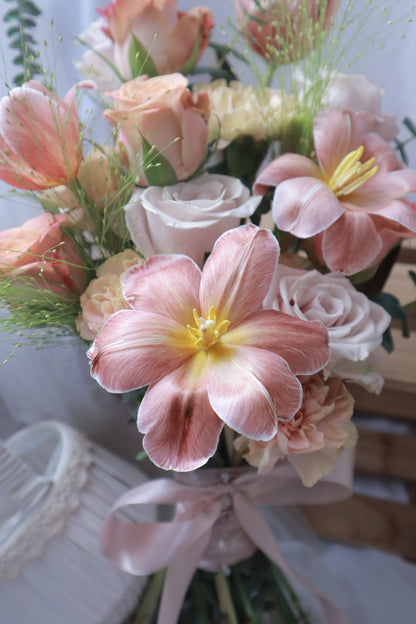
(207, 331)
(351, 173)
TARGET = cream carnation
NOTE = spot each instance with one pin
(187, 217)
(103, 295)
(241, 110)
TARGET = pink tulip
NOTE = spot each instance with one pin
(163, 128)
(40, 143)
(350, 203)
(38, 255)
(283, 31)
(152, 37)
(209, 351)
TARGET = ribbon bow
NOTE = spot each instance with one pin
(202, 500)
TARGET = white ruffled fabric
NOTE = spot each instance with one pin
(61, 577)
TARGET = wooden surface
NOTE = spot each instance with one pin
(363, 520)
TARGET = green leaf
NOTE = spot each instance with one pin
(29, 7)
(387, 342)
(140, 61)
(13, 14)
(157, 168)
(410, 125)
(412, 275)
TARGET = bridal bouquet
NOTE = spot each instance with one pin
(222, 255)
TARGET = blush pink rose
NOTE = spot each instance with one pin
(103, 295)
(162, 127)
(187, 217)
(39, 255)
(40, 144)
(314, 438)
(284, 31)
(355, 324)
(152, 37)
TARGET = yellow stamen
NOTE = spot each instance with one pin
(207, 332)
(351, 173)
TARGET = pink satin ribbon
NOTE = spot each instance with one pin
(203, 500)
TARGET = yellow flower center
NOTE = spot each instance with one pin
(207, 332)
(351, 173)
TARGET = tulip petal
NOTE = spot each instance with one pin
(283, 168)
(250, 389)
(181, 429)
(134, 349)
(166, 285)
(236, 277)
(303, 344)
(351, 243)
(305, 206)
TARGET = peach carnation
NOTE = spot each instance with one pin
(314, 438)
(104, 296)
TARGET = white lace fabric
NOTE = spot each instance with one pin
(66, 456)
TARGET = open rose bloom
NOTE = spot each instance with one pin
(351, 202)
(209, 352)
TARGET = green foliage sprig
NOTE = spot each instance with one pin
(22, 19)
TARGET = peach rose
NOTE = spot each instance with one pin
(314, 438)
(163, 128)
(103, 296)
(152, 37)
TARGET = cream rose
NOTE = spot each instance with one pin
(103, 295)
(187, 217)
(355, 324)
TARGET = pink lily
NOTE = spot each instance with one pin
(209, 351)
(350, 203)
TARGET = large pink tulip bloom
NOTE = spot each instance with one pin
(209, 351)
(350, 203)
(40, 145)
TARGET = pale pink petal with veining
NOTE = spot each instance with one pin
(166, 284)
(250, 389)
(134, 349)
(305, 206)
(351, 244)
(181, 429)
(303, 344)
(237, 275)
(283, 168)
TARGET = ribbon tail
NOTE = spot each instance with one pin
(178, 578)
(258, 529)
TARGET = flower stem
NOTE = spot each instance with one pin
(224, 598)
(233, 456)
(252, 618)
(285, 588)
(150, 600)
